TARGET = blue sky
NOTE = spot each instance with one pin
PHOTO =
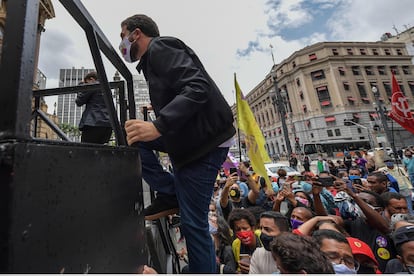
(230, 36)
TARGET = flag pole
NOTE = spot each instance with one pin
(237, 128)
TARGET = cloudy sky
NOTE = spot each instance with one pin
(229, 36)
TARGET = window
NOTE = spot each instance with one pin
(355, 70)
(337, 132)
(304, 108)
(394, 69)
(359, 130)
(293, 64)
(351, 100)
(369, 71)
(387, 52)
(361, 89)
(349, 51)
(363, 52)
(387, 88)
(406, 69)
(346, 85)
(298, 82)
(317, 75)
(301, 95)
(375, 52)
(313, 57)
(382, 71)
(411, 85)
(373, 116)
(341, 71)
(329, 132)
(324, 97)
(335, 52)
(399, 52)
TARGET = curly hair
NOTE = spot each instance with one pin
(299, 254)
(239, 214)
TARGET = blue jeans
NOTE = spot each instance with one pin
(193, 185)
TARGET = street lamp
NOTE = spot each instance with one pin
(380, 109)
(279, 102)
(371, 140)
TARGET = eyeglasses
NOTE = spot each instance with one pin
(347, 260)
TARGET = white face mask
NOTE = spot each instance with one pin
(125, 48)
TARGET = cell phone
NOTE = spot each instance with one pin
(233, 170)
(357, 181)
(326, 181)
(244, 257)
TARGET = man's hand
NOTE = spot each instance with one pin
(140, 131)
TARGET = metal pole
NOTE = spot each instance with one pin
(371, 141)
(280, 106)
(383, 119)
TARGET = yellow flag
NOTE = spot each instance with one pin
(255, 142)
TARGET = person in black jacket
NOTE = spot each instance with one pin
(94, 124)
(194, 125)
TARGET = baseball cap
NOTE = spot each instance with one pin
(403, 234)
(360, 247)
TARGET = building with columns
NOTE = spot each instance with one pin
(327, 83)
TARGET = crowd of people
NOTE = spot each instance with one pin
(342, 217)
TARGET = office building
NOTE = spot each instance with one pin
(327, 83)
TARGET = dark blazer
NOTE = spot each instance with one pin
(192, 114)
(96, 113)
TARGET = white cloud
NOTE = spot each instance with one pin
(216, 30)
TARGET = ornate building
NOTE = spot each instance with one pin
(327, 83)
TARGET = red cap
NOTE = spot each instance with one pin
(360, 247)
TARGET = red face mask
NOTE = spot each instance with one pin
(246, 237)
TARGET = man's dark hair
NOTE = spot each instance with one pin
(300, 254)
(281, 221)
(91, 75)
(387, 196)
(238, 214)
(378, 198)
(142, 22)
(320, 235)
(381, 177)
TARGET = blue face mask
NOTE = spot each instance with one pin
(343, 269)
(389, 164)
(352, 177)
(212, 229)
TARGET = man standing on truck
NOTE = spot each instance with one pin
(194, 125)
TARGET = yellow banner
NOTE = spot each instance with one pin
(255, 142)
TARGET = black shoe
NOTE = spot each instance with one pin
(162, 206)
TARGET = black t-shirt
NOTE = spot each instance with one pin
(243, 203)
(381, 244)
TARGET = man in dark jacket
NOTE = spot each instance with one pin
(94, 124)
(194, 125)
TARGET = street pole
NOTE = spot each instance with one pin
(371, 140)
(278, 101)
(380, 110)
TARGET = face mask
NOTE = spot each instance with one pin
(389, 164)
(343, 269)
(246, 237)
(352, 177)
(303, 201)
(295, 223)
(212, 229)
(266, 239)
(125, 48)
(235, 193)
